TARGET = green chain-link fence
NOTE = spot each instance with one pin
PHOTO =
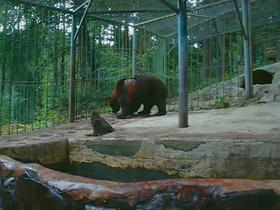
(35, 58)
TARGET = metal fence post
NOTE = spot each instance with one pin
(246, 20)
(72, 93)
(134, 51)
(183, 71)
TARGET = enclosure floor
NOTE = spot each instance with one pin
(216, 144)
(255, 121)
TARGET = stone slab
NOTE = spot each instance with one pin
(219, 158)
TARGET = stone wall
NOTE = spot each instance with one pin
(185, 158)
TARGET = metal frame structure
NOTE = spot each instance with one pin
(246, 20)
(181, 12)
(73, 71)
(134, 51)
(218, 53)
(183, 69)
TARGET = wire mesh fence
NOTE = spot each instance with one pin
(35, 58)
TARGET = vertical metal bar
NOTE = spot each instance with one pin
(218, 62)
(122, 35)
(209, 79)
(165, 60)
(47, 99)
(46, 85)
(134, 51)
(3, 81)
(218, 53)
(199, 77)
(182, 59)
(191, 72)
(246, 19)
(72, 93)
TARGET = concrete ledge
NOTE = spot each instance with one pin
(45, 146)
(45, 153)
(216, 158)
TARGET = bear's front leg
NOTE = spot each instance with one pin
(124, 111)
(121, 116)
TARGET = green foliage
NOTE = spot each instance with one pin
(145, 59)
(240, 103)
(220, 103)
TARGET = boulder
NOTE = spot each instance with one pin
(272, 93)
(100, 125)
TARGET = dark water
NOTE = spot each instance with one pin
(104, 172)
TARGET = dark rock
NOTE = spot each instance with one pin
(22, 189)
(259, 77)
(8, 193)
(39, 197)
(27, 193)
(100, 126)
(250, 200)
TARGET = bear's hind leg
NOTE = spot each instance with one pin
(146, 110)
(161, 109)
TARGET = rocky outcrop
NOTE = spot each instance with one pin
(272, 92)
(266, 89)
(99, 125)
(33, 187)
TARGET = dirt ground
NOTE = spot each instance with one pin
(216, 143)
(255, 121)
(252, 121)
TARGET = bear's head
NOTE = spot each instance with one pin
(114, 103)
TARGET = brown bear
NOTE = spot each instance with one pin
(130, 93)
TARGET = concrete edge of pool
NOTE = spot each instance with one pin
(247, 150)
(49, 189)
